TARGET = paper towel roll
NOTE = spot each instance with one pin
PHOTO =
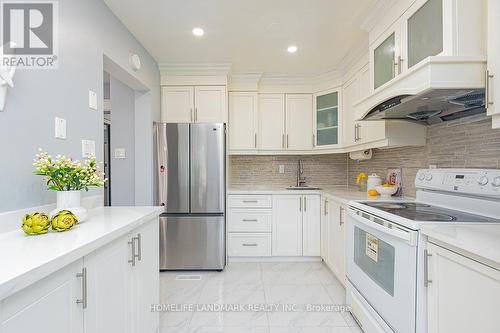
(361, 155)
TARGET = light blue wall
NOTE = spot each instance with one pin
(87, 31)
(122, 136)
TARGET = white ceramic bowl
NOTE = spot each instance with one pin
(386, 192)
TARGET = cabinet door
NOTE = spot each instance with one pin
(177, 104)
(422, 31)
(271, 122)
(146, 278)
(243, 121)
(299, 117)
(287, 225)
(326, 118)
(48, 305)
(493, 73)
(336, 240)
(383, 56)
(311, 227)
(349, 93)
(109, 289)
(324, 230)
(463, 295)
(210, 104)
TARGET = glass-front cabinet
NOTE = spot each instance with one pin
(326, 111)
(383, 61)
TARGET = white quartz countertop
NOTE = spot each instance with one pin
(26, 259)
(480, 241)
(341, 194)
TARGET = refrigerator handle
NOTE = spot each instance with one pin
(161, 160)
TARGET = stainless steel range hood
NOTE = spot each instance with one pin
(431, 106)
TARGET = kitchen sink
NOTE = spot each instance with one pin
(310, 188)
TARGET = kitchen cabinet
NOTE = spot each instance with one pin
(108, 290)
(463, 295)
(287, 225)
(194, 104)
(426, 28)
(333, 237)
(296, 225)
(49, 306)
(326, 118)
(299, 122)
(311, 225)
(243, 107)
(271, 134)
(493, 67)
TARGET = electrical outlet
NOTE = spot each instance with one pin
(120, 153)
(281, 168)
(60, 128)
(88, 148)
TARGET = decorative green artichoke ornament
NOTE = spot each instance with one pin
(35, 224)
(64, 220)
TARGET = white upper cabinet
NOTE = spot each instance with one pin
(177, 104)
(188, 104)
(243, 108)
(271, 122)
(383, 57)
(493, 71)
(210, 104)
(326, 119)
(299, 122)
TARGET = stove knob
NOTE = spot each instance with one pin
(421, 176)
(496, 182)
(428, 177)
(483, 180)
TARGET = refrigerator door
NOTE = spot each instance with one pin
(207, 168)
(192, 242)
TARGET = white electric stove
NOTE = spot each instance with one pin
(386, 261)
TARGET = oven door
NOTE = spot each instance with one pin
(382, 266)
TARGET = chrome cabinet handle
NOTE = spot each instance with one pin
(426, 268)
(250, 201)
(305, 204)
(399, 63)
(255, 140)
(132, 245)
(341, 220)
(487, 78)
(314, 140)
(253, 244)
(138, 238)
(250, 220)
(83, 276)
(300, 207)
(287, 140)
(196, 114)
(191, 114)
(283, 140)
(326, 207)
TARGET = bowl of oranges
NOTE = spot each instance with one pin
(386, 190)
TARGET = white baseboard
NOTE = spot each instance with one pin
(274, 259)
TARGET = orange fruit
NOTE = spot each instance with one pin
(372, 192)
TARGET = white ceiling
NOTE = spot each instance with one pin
(253, 35)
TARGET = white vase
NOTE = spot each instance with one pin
(70, 200)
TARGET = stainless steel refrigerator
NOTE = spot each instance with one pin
(190, 164)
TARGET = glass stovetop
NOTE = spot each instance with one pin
(426, 213)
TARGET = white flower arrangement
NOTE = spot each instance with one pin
(66, 174)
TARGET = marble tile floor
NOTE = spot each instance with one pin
(255, 283)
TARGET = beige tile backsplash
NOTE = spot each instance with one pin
(464, 143)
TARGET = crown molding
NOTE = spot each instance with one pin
(194, 69)
(374, 14)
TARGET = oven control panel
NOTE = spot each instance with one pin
(484, 182)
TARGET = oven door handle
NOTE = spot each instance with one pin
(409, 236)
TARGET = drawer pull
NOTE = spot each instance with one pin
(250, 220)
(250, 201)
(252, 244)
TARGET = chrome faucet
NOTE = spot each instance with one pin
(301, 181)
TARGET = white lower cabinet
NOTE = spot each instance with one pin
(108, 290)
(333, 238)
(48, 306)
(249, 244)
(287, 225)
(311, 225)
(463, 294)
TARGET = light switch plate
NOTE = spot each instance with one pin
(120, 153)
(92, 100)
(60, 128)
(88, 148)
(281, 168)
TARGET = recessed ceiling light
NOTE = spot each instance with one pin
(198, 32)
(292, 49)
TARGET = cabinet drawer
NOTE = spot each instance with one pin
(250, 201)
(250, 220)
(249, 245)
